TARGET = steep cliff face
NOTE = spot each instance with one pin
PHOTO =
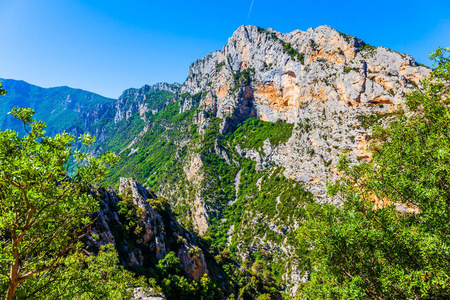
(148, 98)
(254, 132)
(118, 125)
(142, 235)
(320, 80)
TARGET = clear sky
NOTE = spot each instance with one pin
(109, 46)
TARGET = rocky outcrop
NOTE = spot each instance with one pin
(192, 261)
(193, 171)
(322, 81)
(160, 232)
(108, 118)
(319, 79)
(149, 294)
(140, 100)
(149, 218)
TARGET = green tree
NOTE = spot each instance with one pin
(400, 248)
(207, 288)
(43, 211)
(2, 91)
(173, 283)
(84, 276)
(264, 297)
(169, 265)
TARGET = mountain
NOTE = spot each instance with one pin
(257, 128)
(59, 107)
(253, 133)
(79, 111)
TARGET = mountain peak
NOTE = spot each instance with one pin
(157, 87)
(293, 76)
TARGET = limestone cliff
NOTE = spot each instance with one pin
(318, 77)
(256, 130)
(159, 232)
(141, 100)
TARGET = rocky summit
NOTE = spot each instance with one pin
(320, 80)
(254, 132)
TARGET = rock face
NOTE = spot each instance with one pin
(150, 219)
(240, 189)
(320, 80)
(140, 294)
(137, 100)
(193, 261)
(158, 236)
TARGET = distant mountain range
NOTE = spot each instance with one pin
(59, 107)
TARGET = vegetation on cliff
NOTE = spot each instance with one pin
(159, 163)
(390, 238)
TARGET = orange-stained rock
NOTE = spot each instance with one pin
(361, 147)
(192, 261)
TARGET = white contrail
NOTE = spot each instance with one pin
(249, 12)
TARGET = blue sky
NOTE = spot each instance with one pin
(109, 46)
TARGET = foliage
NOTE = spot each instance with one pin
(293, 52)
(211, 135)
(287, 47)
(390, 239)
(369, 121)
(348, 38)
(244, 280)
(2, 91)
(175, 285)
(43, 212)
(169, 127)
(267, 195)
(219, 66)
(217, 187)
(133, 215)
(253, 132)
(160, 161)
(262, 30)
(155, 160)
(242, 78)
(367, 47)
(117, 136)
(348, 69)
(82, 276)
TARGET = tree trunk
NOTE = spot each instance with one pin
(12, 287)
(13, 275)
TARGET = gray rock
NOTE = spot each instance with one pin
(149, 294)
